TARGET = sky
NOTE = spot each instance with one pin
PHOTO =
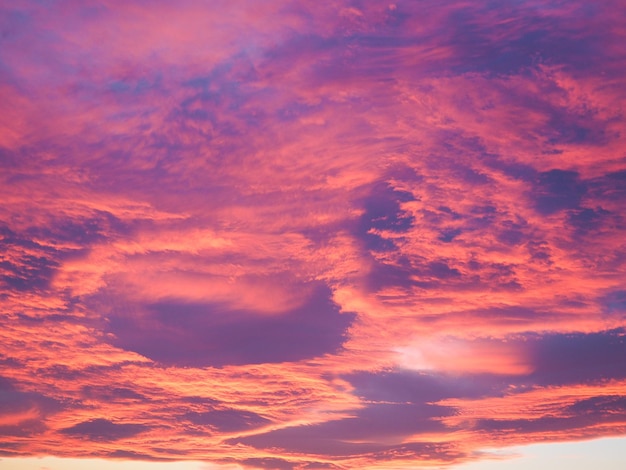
(240, 235)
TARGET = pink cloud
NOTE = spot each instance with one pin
(296, 235)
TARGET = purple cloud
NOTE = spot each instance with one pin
(577, 357)
(227, 420)
(557, 190)
(199, 335)
(104, 430)
(369, 431)
(24, 414)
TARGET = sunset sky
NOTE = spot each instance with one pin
(301, 235)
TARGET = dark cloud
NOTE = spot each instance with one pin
(506, 40)
(383, 213)
(370, 430)
(228, 420)
(318, 465)
(539, 251)
(614, 303)
(383, 275)
(200, 400)
(82, 231)
(11, 449)
(448, 235)
(26, 428)
(474, 43)
(586, 220)
(419, 273)
(49, 318)
(130, 455)
(25, 412)
(512, 38)
(556, 190)
(10, 362)
(611, 186)
(464, 173)
(198, 335)
(602, 406)
(270, 463)
(442, 216)
(423, 388)
(524, 426)
(131, 88)
(555, 359)
(441, 270)
(111, 394)
(31, 273)
(27, 265)
(512, 233)
(104, 430)
(32, 258)
(513, 169)
(309, 440)
(583, 414)
(561, 359)
(512, 315)
(385, 219)
(402, 172)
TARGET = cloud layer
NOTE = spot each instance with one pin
(295, 235)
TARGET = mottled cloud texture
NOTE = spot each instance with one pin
(306, 235)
